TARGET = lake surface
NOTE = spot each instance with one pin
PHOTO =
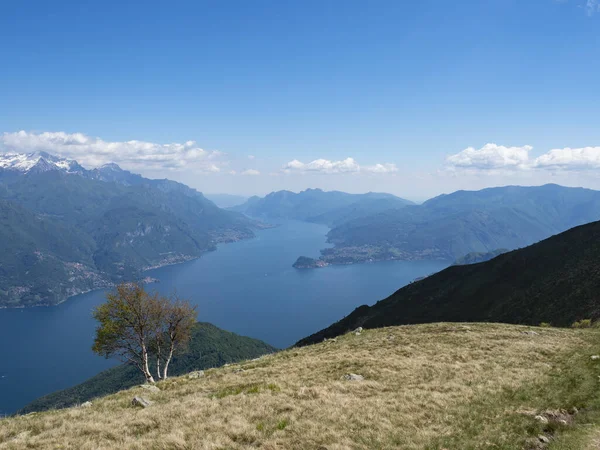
(247, 287)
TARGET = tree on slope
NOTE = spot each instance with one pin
(177, 317)
(134, 325)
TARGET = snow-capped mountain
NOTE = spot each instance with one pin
(14, 164)
(22, 163)
(66, 229)
(38, 162)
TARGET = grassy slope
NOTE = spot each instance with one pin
(556, 281)
(435, 386)
(210, 347)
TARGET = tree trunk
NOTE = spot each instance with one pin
(158, 359)
(146, 368)
(166, 368)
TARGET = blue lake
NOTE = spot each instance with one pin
(247, 287)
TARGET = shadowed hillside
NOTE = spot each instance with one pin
(555, 281)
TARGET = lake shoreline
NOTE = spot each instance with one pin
(248, 288)
(109, 285)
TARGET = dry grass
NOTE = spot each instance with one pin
(426, 387)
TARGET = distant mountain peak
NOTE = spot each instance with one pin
(39, 161)
(111, 166)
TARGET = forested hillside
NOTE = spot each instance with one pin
(68, 230)
(451, 226)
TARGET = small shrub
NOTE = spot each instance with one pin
(282, 424)
(584, 323)
(545, 325)
(253, 388)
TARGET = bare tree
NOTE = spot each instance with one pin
(134, 325)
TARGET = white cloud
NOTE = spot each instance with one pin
(494, 158)
(348, 165)
(570, 159)
(592, 6)
(93, 152)
(491, 157)
(250, 172)
(251, 157)
(381, 168)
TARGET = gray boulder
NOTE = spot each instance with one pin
(195, 375)
(530, 333)
(141, 402)
(353, 377)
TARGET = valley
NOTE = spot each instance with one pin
(299, 225)
(247, 287)
(379, 227)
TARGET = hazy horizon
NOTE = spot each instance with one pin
(400, 97)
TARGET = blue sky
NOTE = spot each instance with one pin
(259, 90)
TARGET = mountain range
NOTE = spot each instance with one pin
(318, 206)
(556, 281)
(69, 230)
(451, 226)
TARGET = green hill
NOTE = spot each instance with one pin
(209, 347)
(555, 281)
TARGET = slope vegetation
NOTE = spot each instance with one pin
(441, 386)
(555, 281)
(209, 347)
